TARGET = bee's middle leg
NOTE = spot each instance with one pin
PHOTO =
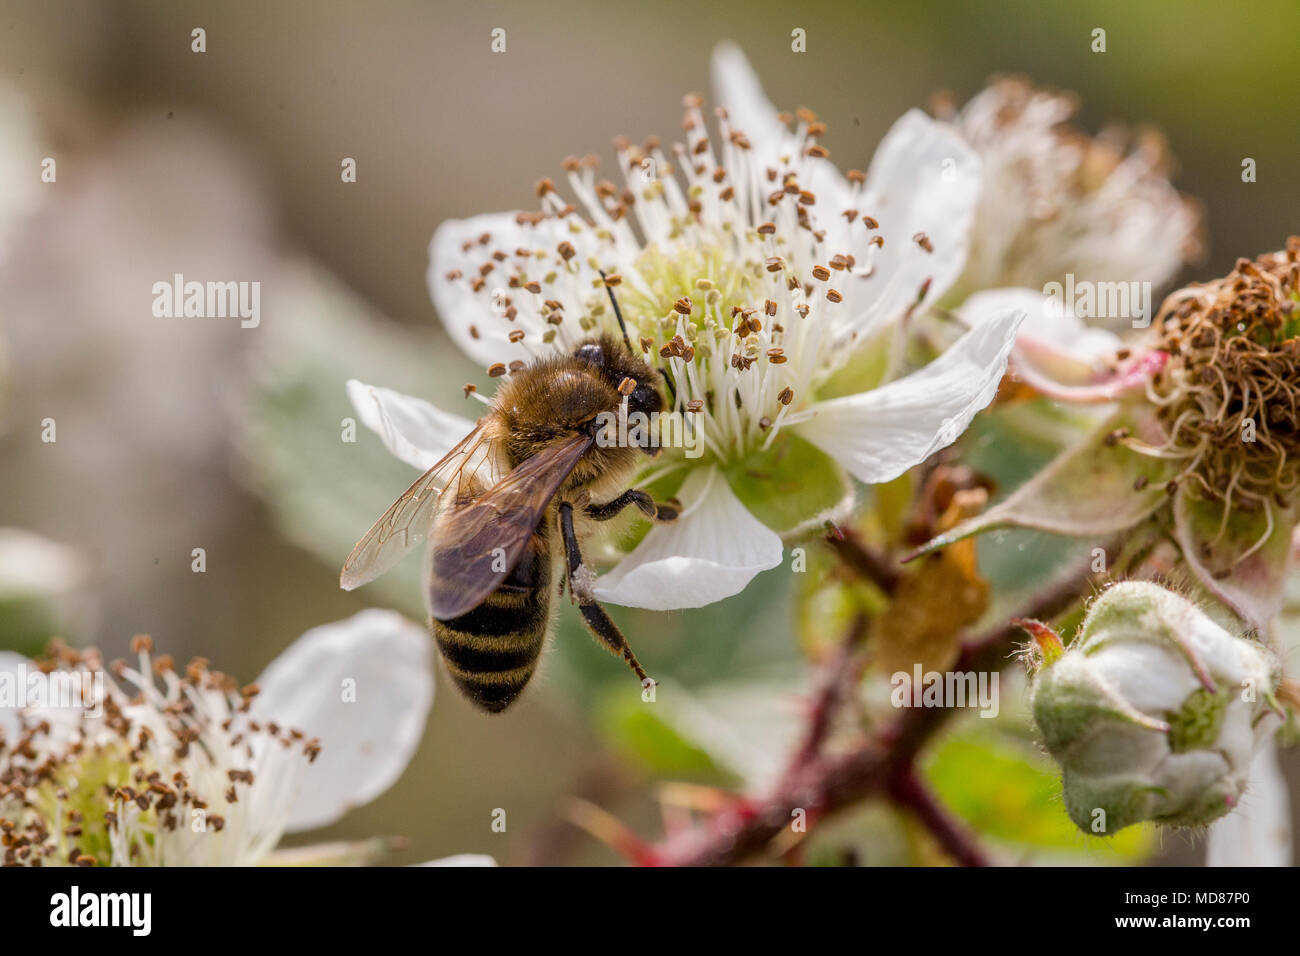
(598, 621)
(654, 510)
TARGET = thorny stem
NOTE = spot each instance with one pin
(835, 682)
(863, 558)
(825, 783)
(908, 790)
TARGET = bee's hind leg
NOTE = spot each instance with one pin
(663, 511)
(598, 621)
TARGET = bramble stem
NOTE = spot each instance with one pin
(863, 558)
(908, 790)
(821, 784)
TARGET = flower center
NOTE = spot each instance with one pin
(724, 321)
(159, 775)
(1229, 398)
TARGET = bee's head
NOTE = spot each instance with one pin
(602, 389)
(617, 364)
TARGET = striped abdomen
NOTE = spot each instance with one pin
(491, 651)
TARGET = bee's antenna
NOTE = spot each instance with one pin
(618, 313)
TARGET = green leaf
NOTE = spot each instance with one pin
(1007, 791)
(639, 732)
(743, 729)
(1097, 487)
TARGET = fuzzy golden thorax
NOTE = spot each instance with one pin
(1229, 397)
(564, 395)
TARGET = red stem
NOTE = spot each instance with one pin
(822, 784)
(908, 790)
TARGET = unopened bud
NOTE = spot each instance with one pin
(1154, 712)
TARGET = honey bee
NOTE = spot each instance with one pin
(505, 511)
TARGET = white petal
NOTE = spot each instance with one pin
(456, 247)
(13, 665)
(1257, 833)
(417, 432)
(461, 859)
(924, 178)
(711, 552)
(1053, 340)
(878, 435)
(33, 565)
(738, 90)
(366, 737)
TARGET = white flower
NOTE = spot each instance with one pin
(1059, 206)
(759, 279)
(1155, 712)
(1055, 200)
(1203, 448)
(185, 769)
(1059, 354)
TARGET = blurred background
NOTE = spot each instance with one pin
(178, 434)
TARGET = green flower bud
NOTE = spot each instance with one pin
(1153, 712)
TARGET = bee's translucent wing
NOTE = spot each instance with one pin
(478, 545)
(406, 524)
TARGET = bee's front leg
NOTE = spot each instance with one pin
(596, 618)
(662, 511)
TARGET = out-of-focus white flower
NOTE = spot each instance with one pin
(750, 272)
(169, 768)
(1058, 206)
(43, 590)
(33, 565)
(1055, 200)
(1205, 441)
(1154, 712)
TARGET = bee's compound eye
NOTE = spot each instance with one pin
(645, 398)
(591, 353)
